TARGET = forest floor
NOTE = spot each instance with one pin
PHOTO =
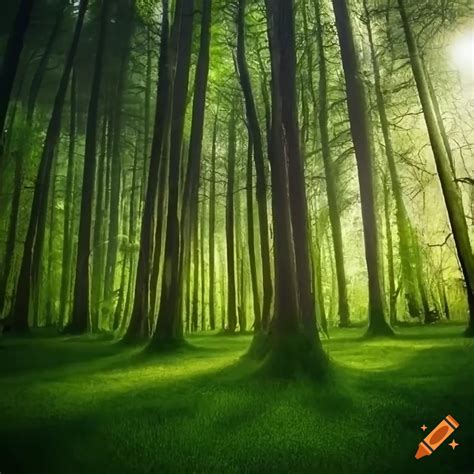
(79, 405)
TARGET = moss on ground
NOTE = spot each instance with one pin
(81, 405)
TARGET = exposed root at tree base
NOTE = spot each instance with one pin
(383, 330)
(289, 356)
(163, 345)
(469, 332)
(258, 347)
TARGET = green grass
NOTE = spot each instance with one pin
(78, 405)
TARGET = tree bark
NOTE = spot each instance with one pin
(229, 227)
(330, 173)
(11, 60)
(360, 130)
(257, 325)
(169, 328)
(449, 188)
(261, 185)
(138, 326)
(80, 318)
(41, 69)
(407, 250)
(67, 256)
(20, 311)
(126, 19)
(212, 231)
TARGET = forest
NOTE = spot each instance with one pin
(236, 235)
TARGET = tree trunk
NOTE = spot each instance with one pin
(297, 188)
(50, 287)
(261, 185)
(203, 268)
(392, 291)
(20, 311)
(98, 248)
(407, 250)
(360, 130)
(41, 69)
(126, 11)
(257, 325)
(11, 59)
(449, 188)
(138, 326)
(169, 328)
(330, 173)
(80, 307)
(12, 229)
(68, 223)
(229, 228)
(212, 231)
(189, 208)
(293, 343)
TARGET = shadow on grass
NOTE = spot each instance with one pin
(228, 419)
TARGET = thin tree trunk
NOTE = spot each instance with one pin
(50, 287)
(229, 227)
(392, 306)
(330, 173)
(98, 250)
(257, 325)
(407, 249)
(12, 229)
(449, 188)
(138, 326)
(261, 186)
(43, 63)
(20, 311)
(202, 240)
(360, 130)
(212, 231)
(68, 206)
(81, 307)
(169, 328)
(126, 18)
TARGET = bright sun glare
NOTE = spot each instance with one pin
(462, 52)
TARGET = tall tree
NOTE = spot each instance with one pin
(80, 316)
(261, 185)
(125, 26)
(21, 304)
(293, 343)
(230, 226)
(212, 230)
(330, 170)
(407, 250)
(169, 328)
(251, 239)
(189, 208)
(68, 223)
(451, 194)
(138, 326)
(360, 130)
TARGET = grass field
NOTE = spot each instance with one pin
(77, 405)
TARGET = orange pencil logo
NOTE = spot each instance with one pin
(437, 437)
